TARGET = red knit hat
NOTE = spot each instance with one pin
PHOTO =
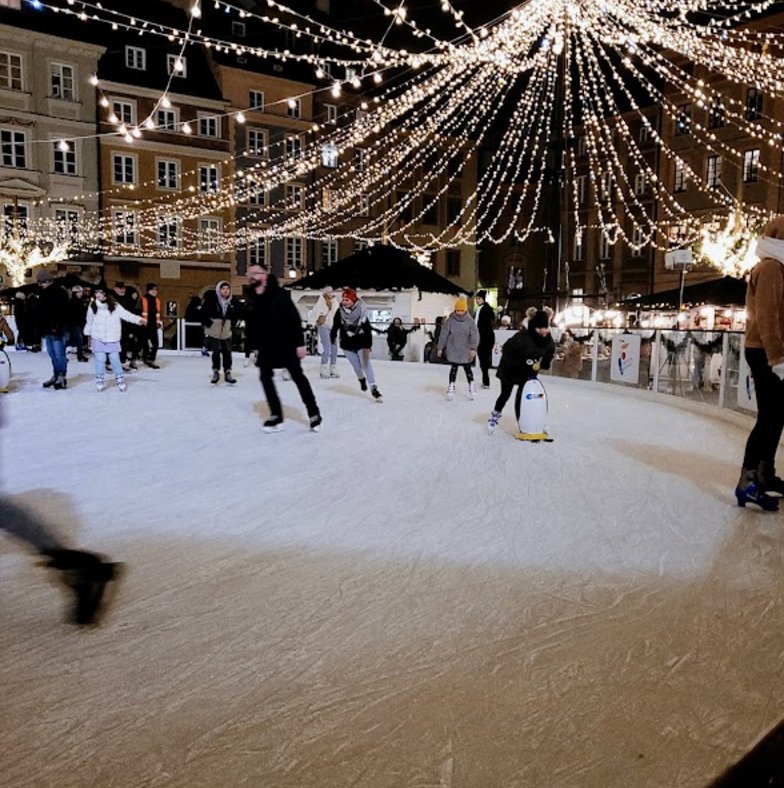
(350, 294)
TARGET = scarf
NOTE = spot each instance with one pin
(770, 248)
(355, 316)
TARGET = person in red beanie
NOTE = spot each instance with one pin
(352, 324)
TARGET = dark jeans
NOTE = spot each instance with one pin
(395, 349)
(485, 355)
(76, 339)
(294, 368)
(765, 436)
(221, 350)
(55, 347)
(469, 373)
(149, 343)
(503, 397)
(129, 343)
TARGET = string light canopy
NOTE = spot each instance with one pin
(19, 252)
(547, 72)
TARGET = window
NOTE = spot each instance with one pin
(238, 29)
(209, 178)
(454, 168)
(15, 211)
(364, 205)
(168, 119)
(168, 232)
(257, 252)
(10, 71)
(329, 155)
(579, 247)
(168, 174)
(15, 4)
(64, 161)
(209, 232)
(331, 111)
(14, 148)
(293, 145)
(136, 57)
(640, 183)
(62, 82)
(604, 247)
(256, 100)
(751, 165)
(326, 199)
(295, 196)
(453, 262)
(294, 252)
(360, 244)
(683, 120)
(66, 225)
(123, 168)
(176, 66)
(294, 108)
(637, 239)
(579, 187)
(359, 113)
(582, 145)
(125, 227)
(645, 131)
(351, 73)
(255, 195)
(125, 111)
(209, 126)
(360, 159)
(716, 114)
(329, 251)
(604, 185)
(679, 182)
(753, 104)
(714, 171)
(430, 209)
(257, 142)
(404, 205)
(454, 209)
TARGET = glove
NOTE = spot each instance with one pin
(778, 370)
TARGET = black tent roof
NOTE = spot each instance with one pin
(727, 291)
(379, 267)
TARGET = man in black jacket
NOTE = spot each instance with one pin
(485, 322)
(275, 330)
(53, 321)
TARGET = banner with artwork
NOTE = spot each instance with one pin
(625, 359)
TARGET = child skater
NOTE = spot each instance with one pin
(457, 343)
(351, 322)
(104, 325)
(522, 356)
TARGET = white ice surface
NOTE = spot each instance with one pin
(399, 600)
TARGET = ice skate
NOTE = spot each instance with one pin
(315, 423)
(87, 576)
(450, 391)
(215, 376)
(229, 378)
(324, 371)
(363, 384)
(273, 424)
(333, 372)
(376, 394)
(100, 384)
(122, 385)
(471, 390)
(47, 384)
(492, 422)
(60, 382)
(749, 490)
(769, 481)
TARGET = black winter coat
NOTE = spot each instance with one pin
(53, 309)
(524, 347)
(351, 337)
(211, 310)
(485, 320)
(273, 326)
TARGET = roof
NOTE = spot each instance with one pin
(379, 267)
(726, 291)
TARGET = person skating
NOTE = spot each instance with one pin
(128, 298)
(323, 315)
(53, 321)
(104, 327)
(397, 337)
(351, 323)
(457, 344)
(77, 314)
(218, 316)
(151, 312)
(485, 322)
(765, 357)
(275, 332)
(522, 356)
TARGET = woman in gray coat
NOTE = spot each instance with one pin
(457, 344)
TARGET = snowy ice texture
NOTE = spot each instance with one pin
(399, 600)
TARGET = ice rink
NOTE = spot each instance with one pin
(399, 600)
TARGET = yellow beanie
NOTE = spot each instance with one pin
(461, 305)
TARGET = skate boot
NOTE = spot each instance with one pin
(749, 490)
(100, 384)
(121, 384)
(47, 384)
(768, 480)
(471, 390)
(86, 575)
(324, 371)
(492, 422)
(333, 372)
(60, 382)
(376, 393)
(228, 377)
(132, 366)
(363, 384)
(315, 422)
(215, 376)
(450, 391)
(273, 424)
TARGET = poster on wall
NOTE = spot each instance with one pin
(746, 396)
(625, 359)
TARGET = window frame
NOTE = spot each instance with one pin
(134, 54)
(55, 64)
(13, 83)
(253, 103)
(134, 161)
(203, 121)
(165, 161)
(67, 159)
(13, 143)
